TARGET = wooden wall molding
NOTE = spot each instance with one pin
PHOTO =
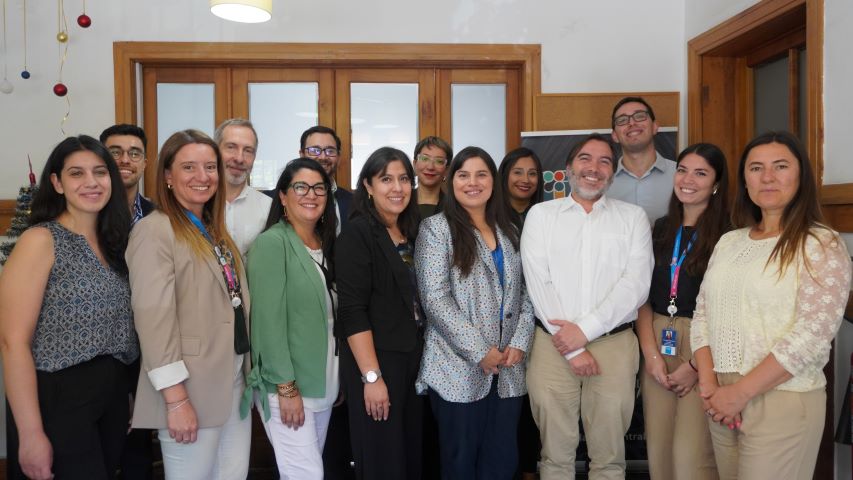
(584, 111)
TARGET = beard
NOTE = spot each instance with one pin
(587, 193)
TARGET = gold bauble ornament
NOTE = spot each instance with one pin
(62, 37)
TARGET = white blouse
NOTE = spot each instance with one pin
(745, 310)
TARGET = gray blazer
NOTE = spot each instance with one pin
(182, 312)
(463, 316)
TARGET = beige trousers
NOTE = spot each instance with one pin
(678, 440)
(603, 402)
(779, 437)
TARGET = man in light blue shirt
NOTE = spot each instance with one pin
(643, 177)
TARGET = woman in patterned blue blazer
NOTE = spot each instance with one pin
(479, 322)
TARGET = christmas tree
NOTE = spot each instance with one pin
(21, 220)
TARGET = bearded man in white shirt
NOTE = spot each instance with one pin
(587, 263)
(246, 209)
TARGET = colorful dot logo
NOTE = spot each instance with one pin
(556, 185)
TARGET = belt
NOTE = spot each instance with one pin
(620, 328)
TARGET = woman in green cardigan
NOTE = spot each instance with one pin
(295, 369)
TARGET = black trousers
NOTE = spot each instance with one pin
(478, 439)
(389, 449)
(138, 456)
(84, 410)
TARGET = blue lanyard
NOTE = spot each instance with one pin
(197, 222)
(677, 260)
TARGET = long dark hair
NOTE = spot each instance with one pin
(798, 217)
(113, 225)
(377, 164)
(327, 225)
(461, 227)
(712, 223)
(508, 162)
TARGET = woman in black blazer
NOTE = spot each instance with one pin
(380, 321)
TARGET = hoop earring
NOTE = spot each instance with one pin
(169, 186)
(284, 212)
(370, 197)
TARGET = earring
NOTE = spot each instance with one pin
(169, 186)
(715, 190)
(285, 212)
(370, 197)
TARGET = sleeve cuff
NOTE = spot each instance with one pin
(574, 354)
(168, 375)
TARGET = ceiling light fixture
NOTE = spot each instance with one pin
(243, 11)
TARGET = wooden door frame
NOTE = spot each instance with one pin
(127, 55)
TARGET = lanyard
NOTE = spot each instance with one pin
(677, 260)
(225, 259)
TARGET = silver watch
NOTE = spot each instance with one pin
(371, 376)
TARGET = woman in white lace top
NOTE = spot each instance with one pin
(770, 304)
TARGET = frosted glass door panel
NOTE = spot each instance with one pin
(382, 114)
(280, 112)
(478, 117)
(184, 105)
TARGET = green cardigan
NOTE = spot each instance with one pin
(289, 330)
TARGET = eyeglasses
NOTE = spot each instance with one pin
(317, 151)
(134, 154)
(301, 189)
(638, 116)
(437, 161)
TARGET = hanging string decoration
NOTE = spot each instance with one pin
(84, 20)
(60, 89)
(5, 86)
(25, 74)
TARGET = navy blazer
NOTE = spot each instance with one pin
(343, 199)
(375, 288)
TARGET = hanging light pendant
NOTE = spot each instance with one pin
(243, 11)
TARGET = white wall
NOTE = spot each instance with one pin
(586, 47)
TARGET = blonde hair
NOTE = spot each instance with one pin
(213, 212)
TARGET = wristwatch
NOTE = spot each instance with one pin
(371, 376)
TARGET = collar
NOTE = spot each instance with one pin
(658, 165)
(570, 204)
(243, 193)
(334, 186)
(137, 209)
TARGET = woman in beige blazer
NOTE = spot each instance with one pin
(191, 317)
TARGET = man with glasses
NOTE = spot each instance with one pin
(323, 145)
(126, 144)
(643, 177)
(246, 209)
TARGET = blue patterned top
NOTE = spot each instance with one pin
(86, 308)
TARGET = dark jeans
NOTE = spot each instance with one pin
(478, 439)
(84, 410)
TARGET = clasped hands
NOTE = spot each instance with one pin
(496, 359)
(569, 338)
(723, 404)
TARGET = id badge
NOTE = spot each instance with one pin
(668, 340)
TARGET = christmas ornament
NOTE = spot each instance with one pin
(60, 90)
(62, 37)
(25, 74)
(84, 21)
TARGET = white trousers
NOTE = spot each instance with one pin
(298, 453)
(219, 453)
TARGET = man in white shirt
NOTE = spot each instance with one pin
(246, 209)
(643, 176)
(587, 263)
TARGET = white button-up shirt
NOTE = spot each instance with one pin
(246, 216)
(593, 269)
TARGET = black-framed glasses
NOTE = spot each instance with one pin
(638, 116)
(437, 161)
(134, 154)
(301, 189)
(317, 151)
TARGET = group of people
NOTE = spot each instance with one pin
(458, 315)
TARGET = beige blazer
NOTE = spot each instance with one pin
(181, 311)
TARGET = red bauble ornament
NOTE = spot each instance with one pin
(84, 21)
(60, 90)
